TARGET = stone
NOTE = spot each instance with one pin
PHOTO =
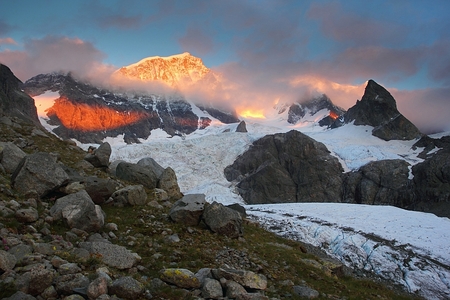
(130, 195)
(69, 268)
(137, 174)
(41, 278)
(169, 183)
(247, 279)
(234, 289)
(65, 284)
(188, 210)
(79, 211)
(182, 278)
(223, 220)
(112, 255)
(19, 295)
(305, 292)
(10, 156)
(99, 189)
(20, 251)
(7, 261)
(97, 287)
(99, 158)
(40, 172)
(149, 162)
(160, 195)
(27, 215)
(251, 296)
(127, 287)
(211, 289)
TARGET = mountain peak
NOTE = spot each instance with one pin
(172, 70)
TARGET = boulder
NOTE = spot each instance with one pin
(234, 289)
(41, 278)
(127, 287)
(65, 284)
(169, 183)
(112, 255)
(7, 261)
(223, 220)
(305, 292)
(99, 189)
(40, 172)
(183, 278)
(247, 279)
(97, 287)
(241, 127)
(188, 210)
(212, 289)
(27, 215)
(378, 109)
(304, 169)
(149, 162)
(10, 156)
(79, 211)
(130, 195)
(99, 157)
(137, 174)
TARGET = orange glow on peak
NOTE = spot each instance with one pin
(333, 115)
(252, 113)
(83, 117)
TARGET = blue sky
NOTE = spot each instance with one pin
(329, 46)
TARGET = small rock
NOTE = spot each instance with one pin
(127, 287)
(305, 292)
(180, 277)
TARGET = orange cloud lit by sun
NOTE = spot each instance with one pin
(84, 117)
(251, 113)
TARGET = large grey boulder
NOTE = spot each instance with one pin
(127, 288)
(10, 156)
(247, 279)
(149, 162)
(183, 278)
(99, 157)
(169, 183)
(212, 289)
(79, 211)
(223, 220)
(130, 195)
(99, 189)
(287, 167)
(40, 172)
(112, 255)
(137, 174)
(188, 210)
(7, 261)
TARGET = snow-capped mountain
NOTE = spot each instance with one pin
(172, 70)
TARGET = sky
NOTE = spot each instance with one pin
(268, 51)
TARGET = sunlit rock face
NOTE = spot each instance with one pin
(173, 70)
(90, 114)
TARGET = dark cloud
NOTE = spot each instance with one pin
(51, 54)
(196, 41)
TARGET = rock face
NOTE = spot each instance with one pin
(378, 108)
(287, 167)
(40, 172)
(298, 110)
(13, 101)
(384, 182)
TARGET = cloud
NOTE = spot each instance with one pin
(54, 54)
(195, 40)
(7, 41)
(4, 28)
(120, 21)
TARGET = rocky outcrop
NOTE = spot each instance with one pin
(287, 167)
(384, 182)
(13, 101)
(378, 108)
(242, 127)
(298, 110)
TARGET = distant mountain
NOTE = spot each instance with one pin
(378, 108)
(172, 70)
(90, 114)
